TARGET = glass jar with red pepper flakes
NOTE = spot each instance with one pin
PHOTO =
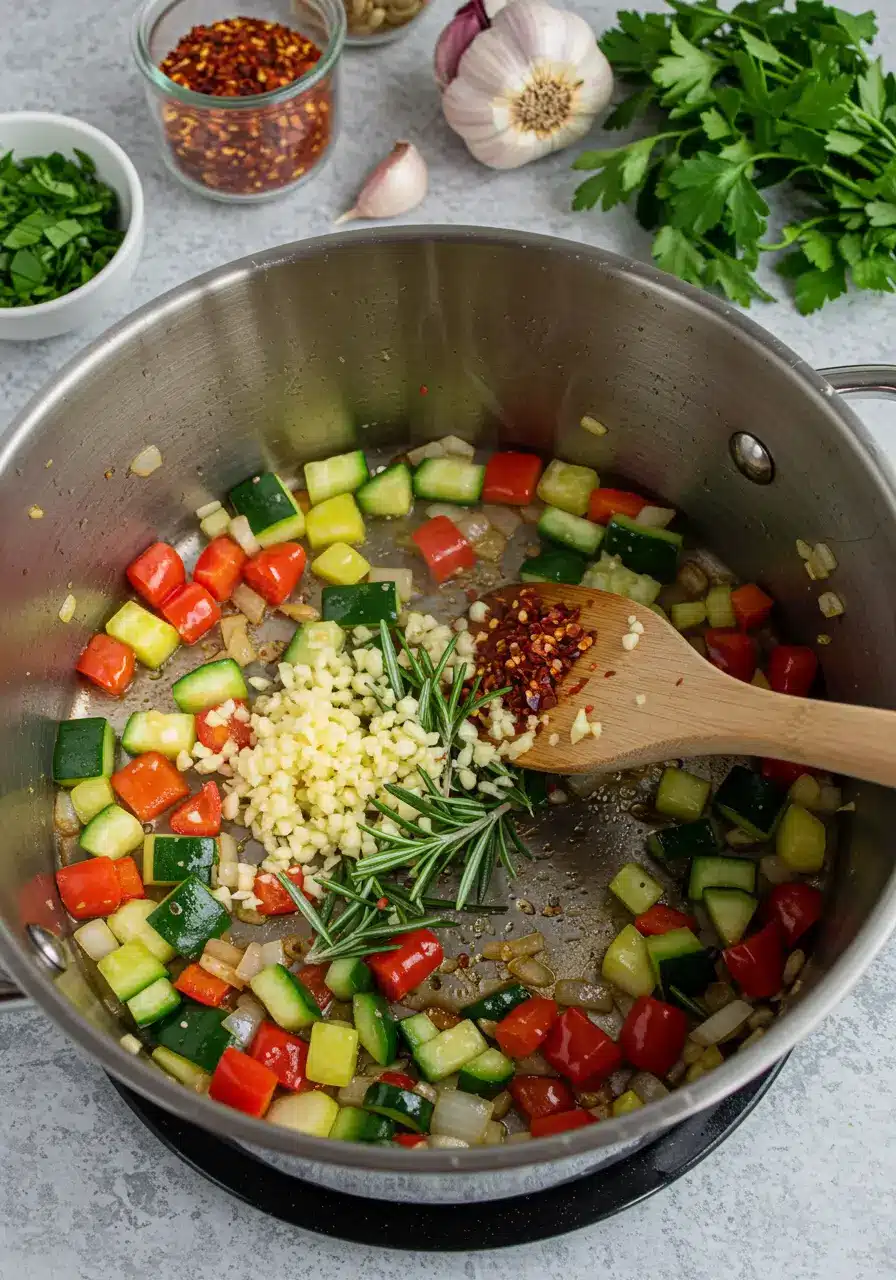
(245, 103)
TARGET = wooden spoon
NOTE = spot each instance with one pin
(661, 699)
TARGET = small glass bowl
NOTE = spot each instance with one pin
(250, 148)
(380, 21)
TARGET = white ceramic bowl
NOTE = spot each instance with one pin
(37, 133)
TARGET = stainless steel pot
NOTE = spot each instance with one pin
(302, 351)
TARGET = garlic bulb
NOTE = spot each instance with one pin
(396, 185)
(462, 30)
(530, 83)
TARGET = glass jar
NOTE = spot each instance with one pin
(254, 146)
(379, 21)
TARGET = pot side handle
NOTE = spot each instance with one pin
(875, 381)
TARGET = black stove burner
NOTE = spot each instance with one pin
(487, 1225)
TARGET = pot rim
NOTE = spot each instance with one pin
(647, 1123)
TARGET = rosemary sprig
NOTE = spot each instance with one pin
(373, 927)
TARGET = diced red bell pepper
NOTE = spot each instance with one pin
(275, 901)
(792, 669)
(418, 954)
(243, 1083)
(282, 1053)
(546, 1126)
(751, 606)
(525, 1028)
(661, 919)
(149, 784)
(796, 907)
(129, 879)
(399, 1079)
(156, 573)
(444, 548)
(409, 1139)
(313, 977)
(199, 815)
(538, 1096)
(580, 1050)
(783, 773)
(732, 652)
(757, 963)
(511, 478)
(220, 567)
(108, 663)
(653, 1035)
(90, 888)
(274, 573)
(192, 611)
(204, 987)
(214, 736)
(604, 504)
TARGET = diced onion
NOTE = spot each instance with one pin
(207, 509)
(427, 1091)
(692, 580)
(241, 532)
(517, 1138)
(444, 1142)
(648, 1087)
(528, 945)
(353, 1094)
(461, 1115)
(597, 428)
(490, 545)
(146, 462)
(248, 602)
(501, 1105)
(577, 994)
(655, 517)
(65, 820)
(299, 612)
(131, 1044)
(435, 449)
(219, 969)
(829, 800)
(227, 850)
(67, 608)
(532, 972)
(403, 579)
(505, 519)
(448, 509)
(251, 964)
(225, 951)
(719, 575)
(236, 640)
(457, 448)
(272, 952)
(244, 1022)
(717, 995)
(775, 869)
(473, 525)
(722, 1024)
(824, 557)
(216, 524)
(830, 604)
(494, 1134)
(535, 1065)
(96, 939)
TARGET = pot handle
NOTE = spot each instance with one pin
(876, 381)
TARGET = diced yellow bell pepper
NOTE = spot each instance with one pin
(341, 565)
(800, 840)
(626, 1103)
(91, 796)
(152, 639)
(335, 520)
(332, 1054)
(311, 1113)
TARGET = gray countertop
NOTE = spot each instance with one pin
(805, 1186)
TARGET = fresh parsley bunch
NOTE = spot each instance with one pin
(762, 96)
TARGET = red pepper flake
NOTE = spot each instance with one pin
(589, 709)
(463, 961)
(679, 681)
(424, 389)
(607, 674)
(576, 688)
(251, 150)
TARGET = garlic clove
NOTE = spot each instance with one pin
(395, 186)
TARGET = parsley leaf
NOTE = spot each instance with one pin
(687, 74)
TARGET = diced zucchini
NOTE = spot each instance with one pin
(169, 733)
(449, 480)
(626, 1103)
(403, 579)
(581, 535)
(410, 1110)
(152, 639)
(364, 605)
(610, 574)
(750, 801)
(388, 494)
(216, 524)
(692, 613)
(719, 609)
(271, 510)
(345, 978)
(84, 749)
(486, 1075)
(498, 1004)
(635, 889)
(96, 939)
(643, 550)
(341, 565)
(418, 1030)
(627, 963)
(681, 963)
(188, 917)
(671, 945)
(311, 640)
(450, 1050)
(343, 473)
(554, 566)
(130, 969)
(91, 797)
(801, 839)
(332, 1054)
(567, 486)
(354, 1125)
(286, 998)
(681, 794)
(170, 859)
(209, 686)
(685, 841)
(153, 1002)
(129, 924)
(376, 1026)
(336, 520)
(721, 873)
(182, 1070)
(730, 911)
(195, 1032)
(112, 833)
(313, 1114)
